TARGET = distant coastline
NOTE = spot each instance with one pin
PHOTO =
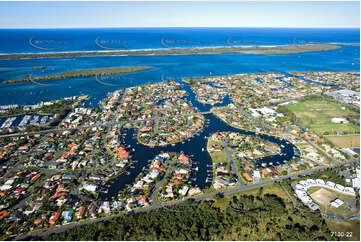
(80, 73)
(276, 49)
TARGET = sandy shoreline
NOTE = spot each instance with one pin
(273, 49)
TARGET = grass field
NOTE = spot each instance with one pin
(217, 156)
(317, 114)
(345, 141)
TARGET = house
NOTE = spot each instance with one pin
(330, 184)
(96, 177)
(153, 174)
(272, 171)
(247, 176)
(264, 172)
(337, 203)
(90, 187)
(54, 218)
(105, 207)
(67, 215)
(80, 213)
(92, 210)
(184, 159)
(184, 190)
(339, 187)
(4, 214)
(256, 176)
(36, 177)
(142, 200)
(5, 187)
(313, 206)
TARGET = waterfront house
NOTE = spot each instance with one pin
(184, 159)
(90, 187)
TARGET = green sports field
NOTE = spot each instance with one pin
(317, 114)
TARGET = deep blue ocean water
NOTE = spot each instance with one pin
(164, 67)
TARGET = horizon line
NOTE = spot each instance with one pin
(148, 27)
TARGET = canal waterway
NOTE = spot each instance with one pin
(195, 148)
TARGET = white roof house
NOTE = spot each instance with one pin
(337, 203)
(339, 187)
(320, 182)
(330, 184)
(350, 190)
(184, 190)
(356, 183)
(306, 199)
(153, 174)
(300, 187)
(311, 181)
(9, 182)
(90, 187)
(256, 174)
(300, 193)
(5, 187)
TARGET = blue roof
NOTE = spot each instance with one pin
(158, 158)
(67, 214)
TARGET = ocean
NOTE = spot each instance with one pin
(346, 58)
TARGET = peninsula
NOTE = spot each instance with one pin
(282, 49)
(80, 73)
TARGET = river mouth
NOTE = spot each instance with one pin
(195, 147)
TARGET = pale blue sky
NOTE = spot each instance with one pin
(179, 14)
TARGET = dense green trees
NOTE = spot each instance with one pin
(247, 217)
(80, 73)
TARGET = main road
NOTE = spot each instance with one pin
(236, 189)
